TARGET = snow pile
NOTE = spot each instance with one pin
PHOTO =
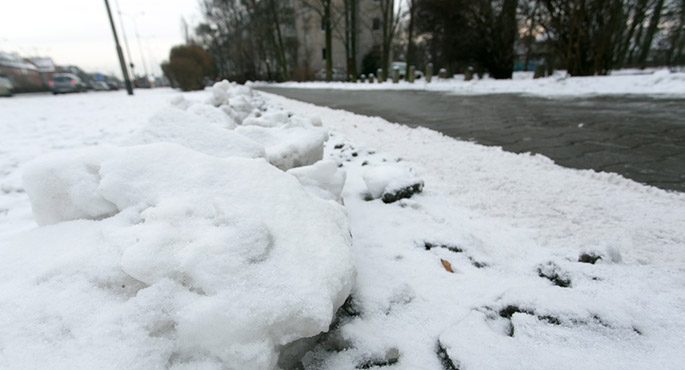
(503, 261)
(659, 82)
(192, 131)
(173, 256)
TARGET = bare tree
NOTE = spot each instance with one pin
(323, 8)
(351, 30)
(245, 38)
(472, 33)
(675, 33)
(585, 33)
(411, 49)
(651, 31)
(389, 23)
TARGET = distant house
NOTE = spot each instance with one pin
(46, 67)
(25, 76)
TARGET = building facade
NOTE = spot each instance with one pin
(310, 32)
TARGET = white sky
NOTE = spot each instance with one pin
(77, 32)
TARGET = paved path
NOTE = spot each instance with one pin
(639, 137)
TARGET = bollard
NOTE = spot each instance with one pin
(362, 78)
(468, 74)
(442, 74)
(395, 75)
(429, 72)
(411, 75)
(379, 75)
(371, 76)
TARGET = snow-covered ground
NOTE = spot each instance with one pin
(656, 83)
(223, 229)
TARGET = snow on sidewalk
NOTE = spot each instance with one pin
(490, 260)
(513, 229)
(655, 83)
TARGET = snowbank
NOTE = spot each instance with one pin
(169, 256)
(657, 83)
(157, 258)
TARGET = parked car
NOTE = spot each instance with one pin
(337, 74)
(6, 88)
(65, 83)
(100, 86)
(113, 85)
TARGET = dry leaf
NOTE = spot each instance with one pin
(447, 265)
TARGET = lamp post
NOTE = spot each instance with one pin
(123, 31)
(129, 88)
(140, 47)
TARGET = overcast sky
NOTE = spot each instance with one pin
(77, 32)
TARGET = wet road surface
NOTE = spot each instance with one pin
(641, 138)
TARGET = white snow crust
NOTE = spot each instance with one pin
(160, 256)
(168, 255)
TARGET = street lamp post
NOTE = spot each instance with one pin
(123, 31)
(129, 88)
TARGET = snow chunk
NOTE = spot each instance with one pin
(225, 274)
(323, 179)
(603, 254)
(210, 114)
(288, 147)
(189, 130)
(180, 102)
(268, 119)
(65, 187)
(237, 101)
(391, 183)
(306, 121)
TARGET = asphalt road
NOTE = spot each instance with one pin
(641, 138)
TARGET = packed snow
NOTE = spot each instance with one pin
(653, 82)
(232, 229)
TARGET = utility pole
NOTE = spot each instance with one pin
(129, 88)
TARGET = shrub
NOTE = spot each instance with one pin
(188, 67)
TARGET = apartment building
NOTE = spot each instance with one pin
(310, 32)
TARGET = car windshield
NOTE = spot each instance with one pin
(61, 79)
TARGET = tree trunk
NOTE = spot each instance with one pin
(651, 30)
(279, 39)
(637, 19)
(327, 26)
(388, 19)
(350, 38)
(411, 59)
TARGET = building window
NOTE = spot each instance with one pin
(376, 24)
(323, 53)
(323, 24)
